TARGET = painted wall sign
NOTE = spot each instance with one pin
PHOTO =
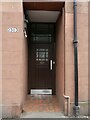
(12, 29)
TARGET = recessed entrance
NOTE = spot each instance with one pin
(41, 103)
(45, 76)
(42, 58)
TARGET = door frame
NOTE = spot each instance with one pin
(54, 57)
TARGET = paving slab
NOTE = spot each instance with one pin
(42, 115)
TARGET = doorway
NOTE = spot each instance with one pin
(45, 31)
(42, 58)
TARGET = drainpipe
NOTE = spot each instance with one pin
(76, 107)
(68, 104)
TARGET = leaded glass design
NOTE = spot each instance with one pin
(41, 54)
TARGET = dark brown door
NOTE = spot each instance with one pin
(42, 66)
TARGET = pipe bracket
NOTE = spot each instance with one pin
(76, 110)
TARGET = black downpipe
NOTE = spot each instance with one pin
(76, 107)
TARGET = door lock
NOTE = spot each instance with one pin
(53, 62)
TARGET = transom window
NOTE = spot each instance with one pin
(42, 33)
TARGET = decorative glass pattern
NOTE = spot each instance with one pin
(41, 54)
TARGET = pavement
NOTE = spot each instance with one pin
(42, 115)
(50, 115)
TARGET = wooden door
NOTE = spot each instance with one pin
(42, 64)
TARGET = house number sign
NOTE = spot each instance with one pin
(13, 30)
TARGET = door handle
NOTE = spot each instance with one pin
(51, 64)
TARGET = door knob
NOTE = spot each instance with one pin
(53, 62)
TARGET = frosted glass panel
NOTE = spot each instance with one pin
(41, 54)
